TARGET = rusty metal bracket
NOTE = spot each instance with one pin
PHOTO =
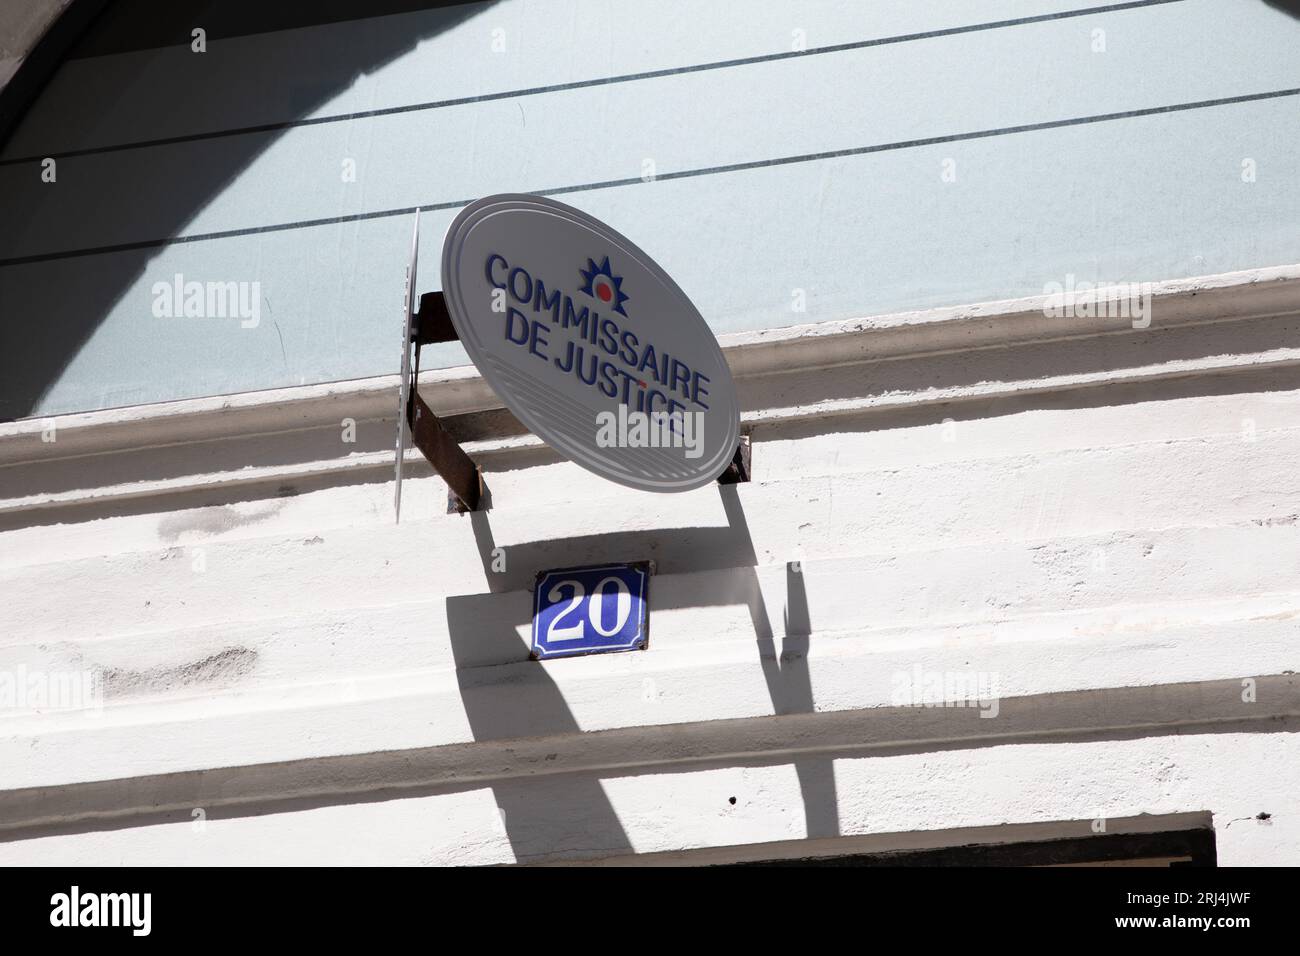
(738, 470)
(464, 478)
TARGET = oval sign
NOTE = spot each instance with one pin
(590, 343)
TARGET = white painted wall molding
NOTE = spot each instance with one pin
(1102, 714)
(1175, 303)
(992, 352)
(795, 349)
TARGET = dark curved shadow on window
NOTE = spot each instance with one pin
(54, 306)
(1286, 6)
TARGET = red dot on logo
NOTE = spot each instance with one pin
(603, 292)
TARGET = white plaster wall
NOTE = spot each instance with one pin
(907, 794)
(1105, 522)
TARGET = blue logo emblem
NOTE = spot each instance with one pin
(601, 284)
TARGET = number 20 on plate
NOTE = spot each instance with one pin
(592, 610)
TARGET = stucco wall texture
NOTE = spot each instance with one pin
(1096, 532)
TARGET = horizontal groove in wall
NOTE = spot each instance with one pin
(794, 349)
(1113, 713)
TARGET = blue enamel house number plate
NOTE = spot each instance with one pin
(591, 610)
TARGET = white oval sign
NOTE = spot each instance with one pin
(589, 343)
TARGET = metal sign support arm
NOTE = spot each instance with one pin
(463, 477)
(433, 324)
